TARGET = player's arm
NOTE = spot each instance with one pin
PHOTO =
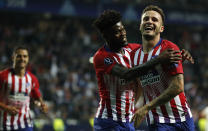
(175, 88)
(36, 96)
(167, 56)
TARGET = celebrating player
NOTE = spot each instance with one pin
(17, 87)
(116, 93)
(166, 106)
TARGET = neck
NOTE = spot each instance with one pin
(19, 71)
(148, 44)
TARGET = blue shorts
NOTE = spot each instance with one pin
(111, 125)
(187, 125)
(23, 129)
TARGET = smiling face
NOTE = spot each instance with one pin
(20, 59)
(116, 36)
(151, 24)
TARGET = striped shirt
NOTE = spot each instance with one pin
(155, 81)
(16, 91)
(116, 94)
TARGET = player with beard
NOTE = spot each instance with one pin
(113, 68)
(165, 106)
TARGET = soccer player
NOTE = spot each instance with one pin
(116, 92)
(17, 87)
(166, 106)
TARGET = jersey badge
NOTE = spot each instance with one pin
(108, 61)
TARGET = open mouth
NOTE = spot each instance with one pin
(149, 28)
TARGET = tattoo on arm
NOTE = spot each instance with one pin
(176, 87)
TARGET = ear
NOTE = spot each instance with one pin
(140, 27)
(162, 28)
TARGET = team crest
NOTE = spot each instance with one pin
(108, 61)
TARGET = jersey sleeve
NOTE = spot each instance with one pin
(103, 63)
(173, 69)
(35, 92)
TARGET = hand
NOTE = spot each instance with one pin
(170, 56)
(11, 110)
(43, 107)
(139, 116)
(186, 56)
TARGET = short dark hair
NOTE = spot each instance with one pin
(20, 47)
(107, 19)
(157, 9)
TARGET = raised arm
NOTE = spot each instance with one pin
(167, 56)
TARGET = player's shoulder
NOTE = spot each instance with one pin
(169, 44)
(5, 71)
(102, 53)
(32, 75)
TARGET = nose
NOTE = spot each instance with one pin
(149, 21)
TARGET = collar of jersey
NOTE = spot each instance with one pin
(158, 43)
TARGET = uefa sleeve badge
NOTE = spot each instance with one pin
(108, 61)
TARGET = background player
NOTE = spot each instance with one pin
(116, 94)
(163, 87)
(17, 87)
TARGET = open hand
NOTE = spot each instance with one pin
(187, 56)
(170, 56)
(139, 116)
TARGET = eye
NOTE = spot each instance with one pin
(154, 19)
(145, 18)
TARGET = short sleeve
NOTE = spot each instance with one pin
(35, 92)
(103, 63)
(173, 69)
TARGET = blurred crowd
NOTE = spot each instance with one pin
(60, 48)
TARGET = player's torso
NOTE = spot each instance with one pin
(154, 83)
(116, 94)
(156, 79)
(16, 92)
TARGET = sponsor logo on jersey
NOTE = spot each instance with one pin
(149, 79)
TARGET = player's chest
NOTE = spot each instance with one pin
(15, 85)
(123, 58)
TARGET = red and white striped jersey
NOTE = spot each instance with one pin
(16, 91)
(116, 94)
(155, 81)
